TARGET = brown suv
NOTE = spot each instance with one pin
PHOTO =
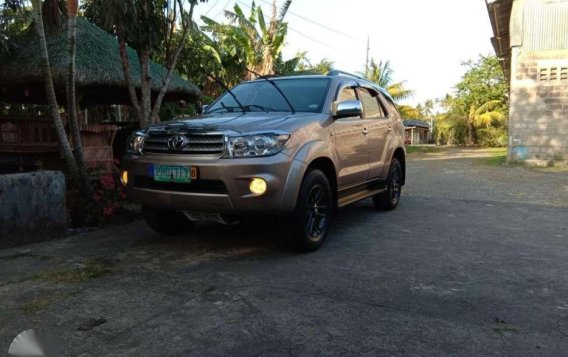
(296, 147)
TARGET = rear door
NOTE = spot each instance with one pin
(351, 144)
(379, 126)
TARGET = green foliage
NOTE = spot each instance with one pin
(381, 74)
(409, 112)
(483, 82)
(248, 42)
(478, 112)
(492, 137)
(451, 130)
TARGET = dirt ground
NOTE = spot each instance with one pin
(477, 174)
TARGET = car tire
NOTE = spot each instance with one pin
(308, 226)
(167, 222)
(389, 199)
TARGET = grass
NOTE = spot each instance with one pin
(422, 149)
(36, 305)
(498, 157)
(91, 270)
(26, 254)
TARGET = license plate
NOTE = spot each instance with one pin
(169, 173)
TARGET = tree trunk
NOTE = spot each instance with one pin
(145, 86)
(72, 99)
(171, 64)
(122, 51)
(50, 94)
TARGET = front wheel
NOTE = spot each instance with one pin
(389, 199)
(310, 222)
(167, 222)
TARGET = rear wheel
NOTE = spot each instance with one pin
(167, 222)
(389, 200)
(310, 222)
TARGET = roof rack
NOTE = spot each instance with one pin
(336, 72)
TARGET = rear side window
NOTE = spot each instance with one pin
(371, 106)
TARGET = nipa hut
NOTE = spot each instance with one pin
(99, 81)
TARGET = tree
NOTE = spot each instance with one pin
(72, 120)
(381, 74)
(50, 93)
(482, 82)
(149, 26)
(250, 40)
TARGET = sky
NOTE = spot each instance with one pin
(425, 40)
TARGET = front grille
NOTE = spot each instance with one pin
(197, 186)
(195, 144)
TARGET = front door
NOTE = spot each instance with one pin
(351, 145)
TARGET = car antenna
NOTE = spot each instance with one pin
(267, 78)
(222, 84)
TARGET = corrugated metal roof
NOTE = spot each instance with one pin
(500, 16)
(416, 123)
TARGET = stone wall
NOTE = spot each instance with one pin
(32, 207)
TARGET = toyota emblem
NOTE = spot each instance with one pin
(177, 142)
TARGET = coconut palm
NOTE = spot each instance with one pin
(72, 120)
(381, 74)
(484, 116)
(50, 93)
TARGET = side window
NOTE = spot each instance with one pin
(347, 93)
(389, 105)
(371, 106)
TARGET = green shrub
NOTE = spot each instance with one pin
(492, 137)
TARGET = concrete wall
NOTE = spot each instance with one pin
(538, 124)
(32, 207)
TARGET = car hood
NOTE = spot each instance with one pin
(232, 122)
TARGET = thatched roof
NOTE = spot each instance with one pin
(100, 79)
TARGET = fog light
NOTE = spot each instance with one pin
(257, 186)
(124, 177)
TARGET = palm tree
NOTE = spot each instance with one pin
(251, 40)
(50, 93)
(381, 74)
(484, 116)
(72, 6)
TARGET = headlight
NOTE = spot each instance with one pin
(136, 142)
(256, 145)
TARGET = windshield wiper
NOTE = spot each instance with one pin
(229, 109)
(248, 106)
(275, 86)
(220, 82)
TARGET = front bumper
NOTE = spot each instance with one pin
(222, 186)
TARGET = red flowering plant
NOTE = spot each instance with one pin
(108, 198)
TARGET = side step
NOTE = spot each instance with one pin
(360, 192)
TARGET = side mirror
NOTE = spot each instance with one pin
(203, 108)
(348, 108)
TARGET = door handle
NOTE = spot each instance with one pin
(389, 128)
(365, 131)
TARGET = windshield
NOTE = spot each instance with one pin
(305, 95)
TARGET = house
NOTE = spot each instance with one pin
(531, 39)
(29, 139)
(416, 132)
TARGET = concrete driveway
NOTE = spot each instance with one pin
(473, 263)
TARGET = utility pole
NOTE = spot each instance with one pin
(367, 59)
